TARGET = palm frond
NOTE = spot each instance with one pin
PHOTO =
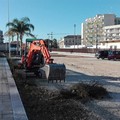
(25, 19)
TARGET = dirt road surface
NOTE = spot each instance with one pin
(83, 67)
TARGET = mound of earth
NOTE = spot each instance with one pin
(47, 105)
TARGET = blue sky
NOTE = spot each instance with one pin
(57, 16)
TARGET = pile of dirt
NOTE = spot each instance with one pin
(91, 90)
(49, 105)
(53, 105)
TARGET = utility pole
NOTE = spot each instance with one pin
(8, 29)
(74, 33)
(51, 35)
(51, 38)
(96, 38)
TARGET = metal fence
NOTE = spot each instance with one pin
(81, 50)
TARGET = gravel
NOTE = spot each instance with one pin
(42, 103)
(83, 68)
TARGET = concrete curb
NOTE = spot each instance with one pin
(17, 105)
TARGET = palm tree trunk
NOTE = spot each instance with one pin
(21, 36)
(17, 44)
(12, 38)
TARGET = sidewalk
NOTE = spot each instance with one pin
(11, 107)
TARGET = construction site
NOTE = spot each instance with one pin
(62, 86)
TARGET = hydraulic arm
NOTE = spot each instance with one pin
(38, 59)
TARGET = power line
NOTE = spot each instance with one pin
(51, 34)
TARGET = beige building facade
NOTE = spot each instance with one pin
(70, 41)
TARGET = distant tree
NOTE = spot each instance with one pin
(54, 43)
(20, 28)
(48, 43)
(51, 43)
(11, 34)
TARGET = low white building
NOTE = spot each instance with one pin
(111, 37)
(113, 44)
(61, 43)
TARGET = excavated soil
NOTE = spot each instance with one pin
(43, 104)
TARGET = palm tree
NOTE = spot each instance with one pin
(11, 34)
(20, 28)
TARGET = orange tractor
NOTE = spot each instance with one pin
(37, 59)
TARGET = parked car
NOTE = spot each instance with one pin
(114, 55)
(102, 54)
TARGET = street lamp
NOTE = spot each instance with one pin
(74, 33)
(8, 29)
(97, 37)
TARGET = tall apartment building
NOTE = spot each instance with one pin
(1, 36)
(92, 31)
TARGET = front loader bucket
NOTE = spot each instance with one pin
(54, 72)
